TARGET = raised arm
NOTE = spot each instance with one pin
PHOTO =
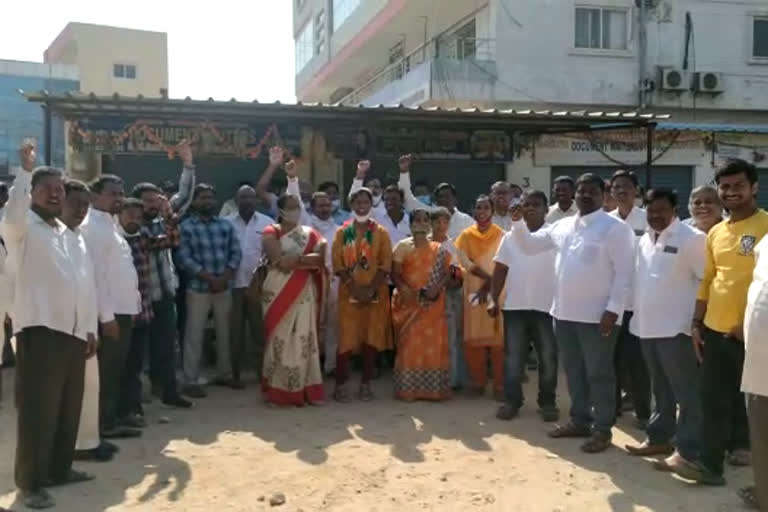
(14, 223)
(276, 155)
(362, 170)
(183, 197)
(404, 183)
(293, 189)
(532, 243)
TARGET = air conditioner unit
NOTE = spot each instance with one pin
(708, 82)
(674, 79)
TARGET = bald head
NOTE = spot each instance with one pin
(246, 199)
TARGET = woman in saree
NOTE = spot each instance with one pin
(421, 270)
(291, 295)
(483, 334)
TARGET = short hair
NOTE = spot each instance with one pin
(361, 190)
(701, 189)
(395, 188)
(737, 166)
(98, 185)
(591, 179)
(132, 202)
(631, 176)
(144, 187)
(324, 186)
(72, 186)
(416, 211)
(44, 172)
(3, 186)
(202, 187)
(498, 184)
(483, 197)
(657, 194)
(444, 186)
(536, 193)
(318, 195)
(420, 183)
(515, 185)
(565, 179)
(440, 211)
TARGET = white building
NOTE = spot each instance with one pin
(705, 62)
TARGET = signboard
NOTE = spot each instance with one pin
(442, 144)
(751, 147)
(625, 147)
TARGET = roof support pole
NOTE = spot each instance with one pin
(47, 133)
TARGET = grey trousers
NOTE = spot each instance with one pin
(757, 409)
(198, 307)
(587, 359)
(454, 315)
(674, 371)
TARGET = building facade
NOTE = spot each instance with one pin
(114, 60)
(705, 62)
(20, 119)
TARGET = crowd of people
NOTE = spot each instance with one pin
(641, 311)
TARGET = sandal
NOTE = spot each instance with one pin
(748, 495)
(73, 477)
(507, 412)
(599, 442)
(38, 499)
(365, 394)
(569, 430)
(740, 458)
(341, 395)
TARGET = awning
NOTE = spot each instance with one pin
(712, 127)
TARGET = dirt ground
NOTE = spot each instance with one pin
(232, 453)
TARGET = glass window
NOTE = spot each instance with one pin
(601, 28)
(342, 9)
(760, 38)
(118, 70)
(130, 71)
(304, 46)
(320, 32)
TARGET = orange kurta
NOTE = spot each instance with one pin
(474, 247)
(368, 324)
(422, 368)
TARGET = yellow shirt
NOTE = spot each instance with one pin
(730, 263)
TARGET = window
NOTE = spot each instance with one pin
(342, 9)
(320, 33)
(124, 71)
(300, 4)
(304, 46)
(600, 28)
(760, 37)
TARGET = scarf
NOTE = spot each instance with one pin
(351, 254)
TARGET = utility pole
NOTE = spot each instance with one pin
(642, 41)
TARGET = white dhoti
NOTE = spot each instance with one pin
(88, 434)
(330, 326)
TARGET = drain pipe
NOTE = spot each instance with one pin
(642, 41)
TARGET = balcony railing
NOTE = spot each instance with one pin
(449, 48)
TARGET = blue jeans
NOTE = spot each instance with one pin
(521, 327)
(674, 373)
(587, 358)
(454, 315)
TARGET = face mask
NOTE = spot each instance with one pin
(362, 218)
(336, 205)
(639, 202)
(291, 216)
(425, 199)
(420, 229)
(376, 200)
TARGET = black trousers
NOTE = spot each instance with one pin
(50, 375)
(130, 383)
(757, 407)
(724, 413)
(112, 358)
(631, 371)
(162, 346)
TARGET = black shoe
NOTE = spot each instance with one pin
(106, 445)
(134, 421)
(177, 402)
(194, 391)
(507, 412)
(97, 454)
(120, 433)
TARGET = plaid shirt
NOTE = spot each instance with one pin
(162, 275)
(210, 246)
(144, 247)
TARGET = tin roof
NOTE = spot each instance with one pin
(713, 127)
(75, 105)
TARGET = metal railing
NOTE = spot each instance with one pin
(454, 48)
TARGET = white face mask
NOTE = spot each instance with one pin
(336, 205)
(291, 216)
(377, 200)
(363, 218)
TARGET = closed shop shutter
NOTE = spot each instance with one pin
(677, 178)
(470, 178)
(762, 190)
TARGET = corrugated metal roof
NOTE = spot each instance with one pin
(81, 104)
(713, 127)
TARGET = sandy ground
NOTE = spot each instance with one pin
(232, 453)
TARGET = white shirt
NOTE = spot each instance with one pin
(251, 249)
(503, 221)
(6, 282)
(117, 284)
(397, 232)
(378, 202)
(328, 229)
(755, 378)
(555, 213)
(54, 279)
(459, 220)
(638, 221)
(530, 283)
(593, 268)
(667, 276)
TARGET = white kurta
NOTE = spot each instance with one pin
(755, 378)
